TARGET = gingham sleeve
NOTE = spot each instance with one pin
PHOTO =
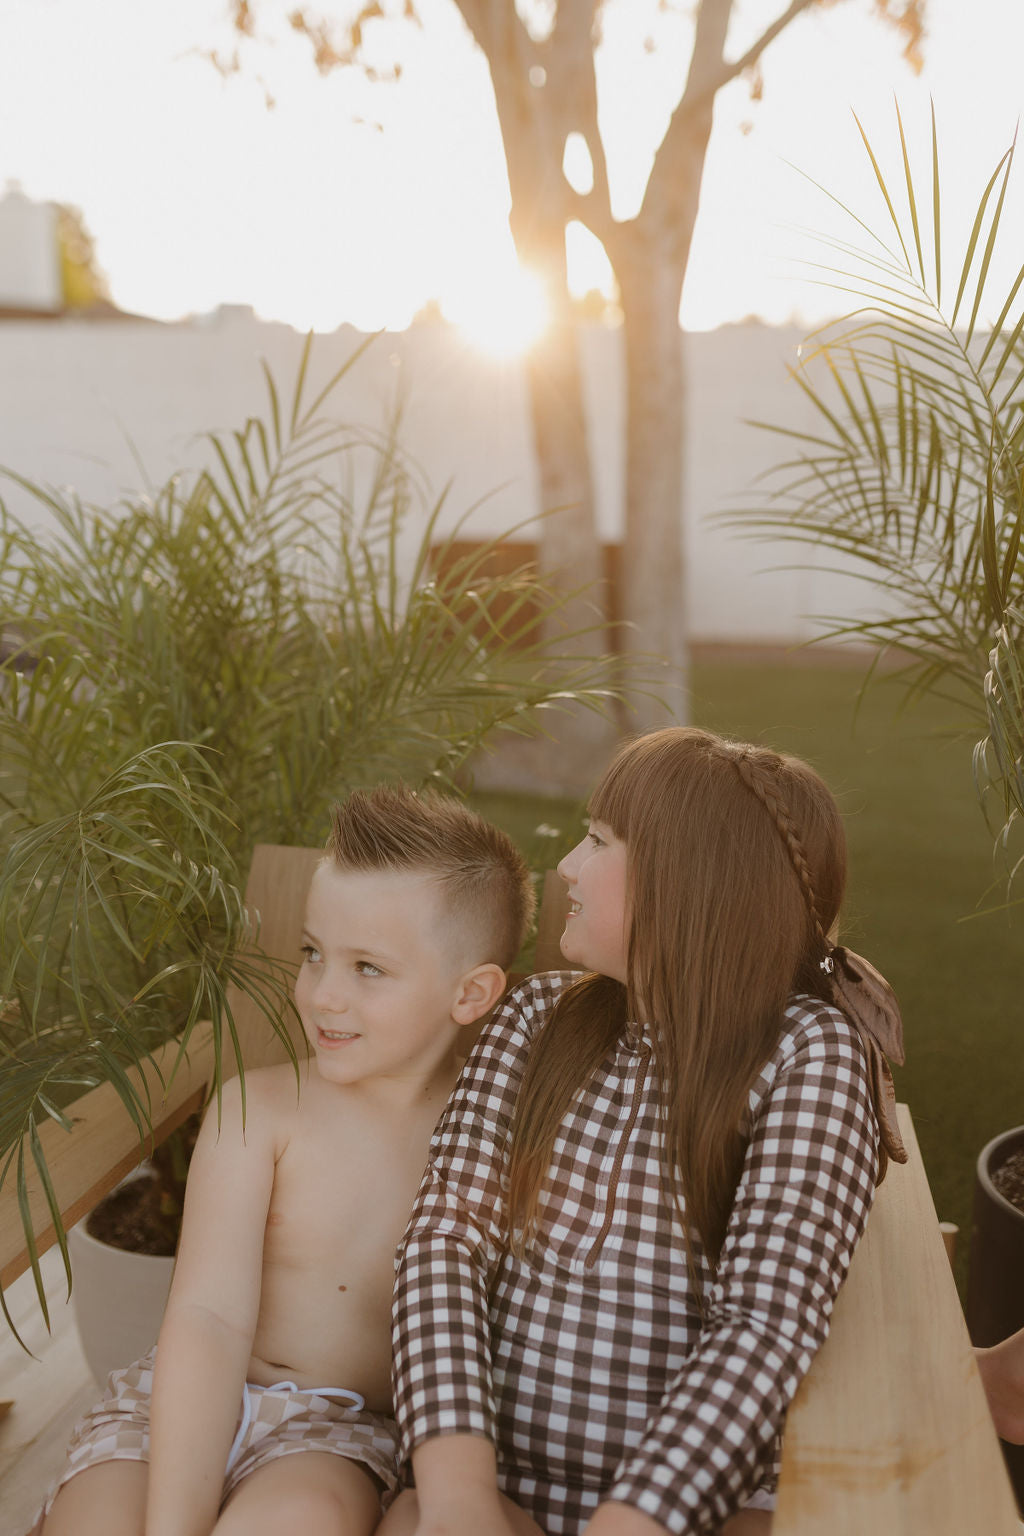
(442, 1368)
(801, 1205)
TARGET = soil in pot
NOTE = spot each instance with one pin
(1008, 1178)
(134, 1217)
(143, 1215)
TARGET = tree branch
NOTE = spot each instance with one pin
(669, 184)
(708, 73)
(510, 51)
(497, 30)
(706, 91)
(572, 53)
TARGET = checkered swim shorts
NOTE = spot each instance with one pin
(273, 1421)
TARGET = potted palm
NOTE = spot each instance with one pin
(199, 670)
(914, 473)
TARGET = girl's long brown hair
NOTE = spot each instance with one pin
(736, 866)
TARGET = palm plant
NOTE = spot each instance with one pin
(199, 670)
(913, 469)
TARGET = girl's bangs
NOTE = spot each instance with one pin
(615, 797)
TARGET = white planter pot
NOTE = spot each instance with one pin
(119, 1299)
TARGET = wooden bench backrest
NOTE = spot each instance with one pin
(890, 1431)
(276, 892)
(554, 903)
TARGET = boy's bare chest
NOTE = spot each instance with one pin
(341, 1199)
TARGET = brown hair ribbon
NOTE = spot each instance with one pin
(862, 993)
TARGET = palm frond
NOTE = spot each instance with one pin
(203, 668)
(912, 472)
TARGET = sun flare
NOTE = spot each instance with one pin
(502, 324)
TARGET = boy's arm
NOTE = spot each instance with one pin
(206, 1339)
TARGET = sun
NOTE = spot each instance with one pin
(502, 321)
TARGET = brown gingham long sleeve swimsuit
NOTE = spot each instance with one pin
(586, 1362)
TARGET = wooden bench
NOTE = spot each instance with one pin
(890, 1431)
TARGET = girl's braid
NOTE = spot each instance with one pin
(761, 783)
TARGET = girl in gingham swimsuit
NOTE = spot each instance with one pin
(647, 1187)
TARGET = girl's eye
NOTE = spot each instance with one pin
(367, 968)
(597, 841)
(310, 954)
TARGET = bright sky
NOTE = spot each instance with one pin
(350, 202)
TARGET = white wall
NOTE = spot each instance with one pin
(29, 253)
(85, 403)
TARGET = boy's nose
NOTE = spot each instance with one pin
(329, 998)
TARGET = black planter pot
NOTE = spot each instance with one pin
(995, 1285)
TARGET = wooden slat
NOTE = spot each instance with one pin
(554, 904)
(102, 1146)
(890, 1431)
(277, 888)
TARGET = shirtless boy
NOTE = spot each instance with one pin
(285, 1268)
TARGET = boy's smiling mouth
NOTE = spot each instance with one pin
(333, 1036)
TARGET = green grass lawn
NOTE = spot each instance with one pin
(921, 871)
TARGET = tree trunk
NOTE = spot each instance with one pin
(569, 550)
(570, 554)
(577, 741)
(533, 125)
(653, 568)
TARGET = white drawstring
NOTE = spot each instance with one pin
(355, 1404)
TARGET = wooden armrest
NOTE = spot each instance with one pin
(103, 1145)
(890, 1431)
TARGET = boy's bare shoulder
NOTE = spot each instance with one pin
(268, 1098)
(277, 1080)
(275, 1089)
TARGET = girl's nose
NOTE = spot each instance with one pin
(568, 868)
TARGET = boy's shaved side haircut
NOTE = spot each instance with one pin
(482, 873)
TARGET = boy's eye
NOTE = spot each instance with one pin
(310, 954)
(367, 968)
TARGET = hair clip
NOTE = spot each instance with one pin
(827, 965)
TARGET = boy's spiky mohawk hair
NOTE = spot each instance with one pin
(483, 876)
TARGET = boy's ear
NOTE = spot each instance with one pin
(477, 992)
